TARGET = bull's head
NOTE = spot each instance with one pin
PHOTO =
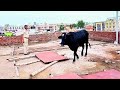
(60, 37)
(66, 38)
(63, 35)
(63, 38)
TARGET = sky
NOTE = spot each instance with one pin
(54, 17)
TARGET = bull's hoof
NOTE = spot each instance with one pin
(73, 61)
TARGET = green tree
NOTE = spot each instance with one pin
(80, 24)
(61, 27)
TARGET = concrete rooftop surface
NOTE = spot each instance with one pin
(101, 56)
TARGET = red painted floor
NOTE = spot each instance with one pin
(67, 76)
(109, 74)
(49, 56)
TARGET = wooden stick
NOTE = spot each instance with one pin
(41, 69)
(17, 59)
(16, 69)
(27, 63)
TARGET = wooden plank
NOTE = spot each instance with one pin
(28, 63)
(41, 69)
(17, 59)
(50, 56)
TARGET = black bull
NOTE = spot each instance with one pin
(74, 40)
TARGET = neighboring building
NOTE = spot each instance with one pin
(1, 28)
(12, 27)
(89, 27)
(47, 27)
(110, 25)
(16, 30)
(99, 26)
(1, 31)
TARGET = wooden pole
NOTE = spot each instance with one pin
(16, 69)
(28, 63)
(41, 69)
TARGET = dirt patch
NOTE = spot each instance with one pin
(114, 54)
(96, 58)
(104, 64)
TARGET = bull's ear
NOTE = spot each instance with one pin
(60, 37)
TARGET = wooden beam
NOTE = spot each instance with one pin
(28, 63)
(17, 59)
(41, 69)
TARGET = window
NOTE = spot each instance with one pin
(98, 27)
(32, 27)
(50, 26)
(39, 28)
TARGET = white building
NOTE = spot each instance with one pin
(12, 27)
(17, 30)
(110, 24)
(47, 27)
(1, 30)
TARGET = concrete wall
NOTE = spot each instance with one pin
(94, 35)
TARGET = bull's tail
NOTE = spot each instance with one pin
(89, 45)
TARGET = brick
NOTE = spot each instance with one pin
(103, 36)
(40, 38)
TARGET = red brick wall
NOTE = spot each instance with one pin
(103, 36)
(94, 35)
(40, 38)
(45, 37)
(10, 40)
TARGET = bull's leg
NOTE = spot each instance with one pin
(82, 50)
(86, 48)
(74, 57)
(75, 54)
